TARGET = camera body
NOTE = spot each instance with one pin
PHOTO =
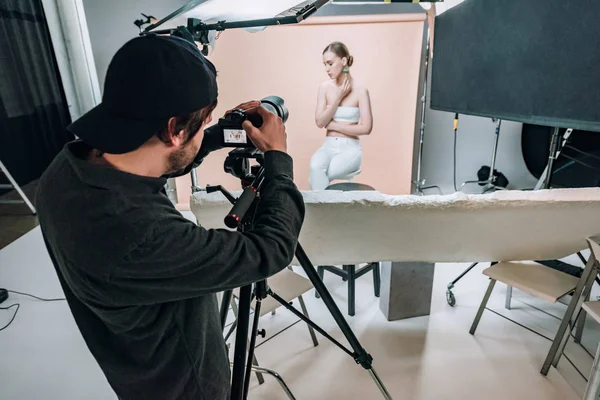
(230, 131)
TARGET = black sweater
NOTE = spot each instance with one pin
(141, 280)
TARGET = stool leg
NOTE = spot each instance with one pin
(351, 288)
(321, 271)
(310, 328)
(508, 298)
(345, 278)
(482, 306)
(592, 390)
(376, 279)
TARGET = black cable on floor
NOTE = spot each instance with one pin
(17, 305)
(35, 297)
(13, 316)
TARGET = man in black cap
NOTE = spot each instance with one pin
(140, 279)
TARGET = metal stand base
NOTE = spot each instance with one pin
(488, 184)
(278, 378)
(14, 185)
(449, 295)
(419, 188)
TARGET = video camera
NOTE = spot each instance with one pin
(228, 132)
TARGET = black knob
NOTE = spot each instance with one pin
(262, 333)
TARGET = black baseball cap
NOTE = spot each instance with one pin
(149, 80)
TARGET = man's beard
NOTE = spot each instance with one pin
(181, 158)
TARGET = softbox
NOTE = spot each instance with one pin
(533, 61)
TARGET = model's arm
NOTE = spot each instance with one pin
(364, 126)
(323, 112)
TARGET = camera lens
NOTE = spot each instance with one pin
(275, 104)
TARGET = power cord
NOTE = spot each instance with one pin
(4, 296)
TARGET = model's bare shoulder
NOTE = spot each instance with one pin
(359, 88)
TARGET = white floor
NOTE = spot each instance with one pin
(42, 355)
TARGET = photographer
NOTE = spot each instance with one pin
(140, 279)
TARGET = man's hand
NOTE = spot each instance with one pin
(245, 106)
(271, 135)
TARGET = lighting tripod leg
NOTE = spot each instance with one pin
(360, 354)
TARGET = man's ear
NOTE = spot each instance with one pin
(172, 134)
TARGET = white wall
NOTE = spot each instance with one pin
(110, 23)
(70, 40)
(475, 141)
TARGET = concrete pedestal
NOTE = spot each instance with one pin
(406, 289)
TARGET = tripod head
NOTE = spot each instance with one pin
(237, 163)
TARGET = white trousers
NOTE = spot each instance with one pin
(337, 158)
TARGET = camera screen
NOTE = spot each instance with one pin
(234, 136)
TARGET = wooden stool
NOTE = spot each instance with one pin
(349, 272)
(533, 278)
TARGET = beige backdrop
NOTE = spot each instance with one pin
(287, 61)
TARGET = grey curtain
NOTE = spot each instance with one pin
(33, 108)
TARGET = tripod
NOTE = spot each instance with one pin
(490, 183)
(420, 182)
(240, 217)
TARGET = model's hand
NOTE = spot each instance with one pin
(271, 135)
(344, 89)
(332, 126)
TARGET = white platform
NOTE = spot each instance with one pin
(357, 227)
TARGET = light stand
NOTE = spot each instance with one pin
(241, 217)
(490, 183)
(546, 178)
(199, 29)
(419, 182)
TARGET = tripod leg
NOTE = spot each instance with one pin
(361, 356)
(225, 304)
(252, 345)
(351, 288)
(259, 376)
(241, 339)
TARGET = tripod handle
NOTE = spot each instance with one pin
(241, 206)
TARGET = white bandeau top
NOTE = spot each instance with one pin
(347, 114)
